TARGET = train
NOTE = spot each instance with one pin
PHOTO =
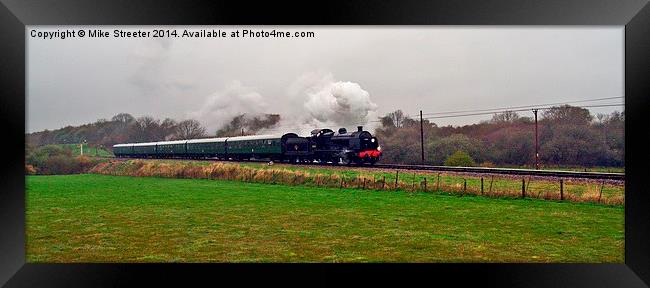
(322, 146)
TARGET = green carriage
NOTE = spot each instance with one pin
(144, 149)
(258, 146)
(171, 148)
(210, 147)
(123, 150)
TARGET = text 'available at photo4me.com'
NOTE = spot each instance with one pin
(49, 34)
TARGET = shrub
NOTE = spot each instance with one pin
(52, 159)
(459, 158)
(37, 157)
(443, 148)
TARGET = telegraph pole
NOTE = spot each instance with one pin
(422, 136)
(536, 142)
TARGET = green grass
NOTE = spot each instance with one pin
(98, 218)
(88, 150)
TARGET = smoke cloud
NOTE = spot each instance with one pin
(328, 103)
(222, 106)
(316, 100)
(340, 103)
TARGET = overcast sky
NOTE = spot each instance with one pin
(434, 69)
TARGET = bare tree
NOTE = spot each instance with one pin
(189, 129)
(146, 128)
(123, 117)
(505, 117)
(393, 119)
(168, 128)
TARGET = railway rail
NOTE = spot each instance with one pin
(478, 170)
(510, 171)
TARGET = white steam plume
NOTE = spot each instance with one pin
(222, 106)
(327, 103)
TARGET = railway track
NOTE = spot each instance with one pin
(477, 170)
(510, 171)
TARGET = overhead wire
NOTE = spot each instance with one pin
(517, 107)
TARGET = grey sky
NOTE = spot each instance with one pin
(79, 80)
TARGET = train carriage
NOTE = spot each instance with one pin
(257, 146)
(144, 149)
(209, 147)
(123, 150)
(171, 148)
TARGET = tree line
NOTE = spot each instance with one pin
(122, 128)
(567, 136)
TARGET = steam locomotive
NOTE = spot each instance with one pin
(323, 146)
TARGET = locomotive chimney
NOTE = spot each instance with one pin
(359, 128)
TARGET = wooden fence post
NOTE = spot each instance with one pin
(491, 180)
(523, 187)
(413, 182)
(383, 182)
(561, 189)
(438, 183)
(464, 186)
(396, 178)
(364, 183)
(600, 195)
(481, 185)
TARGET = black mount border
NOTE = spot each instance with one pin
(16, 14)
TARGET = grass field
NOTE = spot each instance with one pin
(98, 218)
